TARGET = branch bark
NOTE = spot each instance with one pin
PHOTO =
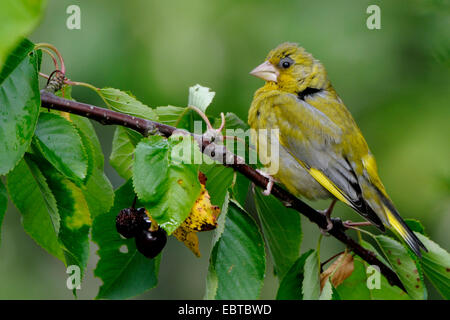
(147, 127)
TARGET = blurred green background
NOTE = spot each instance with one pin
(395, 81)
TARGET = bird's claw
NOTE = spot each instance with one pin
(324, 232)
(287, 204)
(269, 185)
(326, 213)
(268, 188)
(328, 228)
(329, 225)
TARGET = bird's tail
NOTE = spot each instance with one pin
(399, 225)
(404, 231)
(379, 202)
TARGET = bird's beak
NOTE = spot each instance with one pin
(266, 71)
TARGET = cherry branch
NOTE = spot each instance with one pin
(219, 152)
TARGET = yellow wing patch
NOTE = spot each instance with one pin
(393, 221)
(324, 181)
(328, 184)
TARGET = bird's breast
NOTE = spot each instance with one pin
(289, 171)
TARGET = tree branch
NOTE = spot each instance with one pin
(147, 127)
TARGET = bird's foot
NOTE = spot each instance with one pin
(269, 185)
(329, 222)
(287, 204)
(327, 214)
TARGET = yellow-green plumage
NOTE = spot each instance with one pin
(323, 154)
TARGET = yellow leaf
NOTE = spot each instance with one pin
(339, 270)
(189, 238)
(203, 217)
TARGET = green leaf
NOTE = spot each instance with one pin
(335, 294)
(311, 278)
(385, 292)
(212, 281)
(3, 204)
(127, 274)
(163, 168)
(134, 136)
(183, 118)
(219, 179)
(98, 193)
(436, 265)
(19, 105)
(88, 131)
(368, 246)
(282, 231)
(415, 225)
(237, 261)
(97, 188)
(182, 181)
(18, 17)
(20, 52)
(232, 121)
(240, 190)
(174, 116)
(121, 158)
(59, 142)
(355, 286)
(126, 103)
(327, 291)
(75, 218)
(150, 168)
(200, 97)
(31, 194)
(405, 265)
(291, 284)
(90, 155)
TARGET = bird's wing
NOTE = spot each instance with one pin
(376, 197)
(312, 138)
(350, 174)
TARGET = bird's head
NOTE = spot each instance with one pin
(292, 69)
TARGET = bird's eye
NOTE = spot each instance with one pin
(286, 62)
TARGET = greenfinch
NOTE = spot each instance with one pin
(322, 152)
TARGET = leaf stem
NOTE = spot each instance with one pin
(329, 259)
(318, 243)
(53, 48)
(83, 84)
(55, 62)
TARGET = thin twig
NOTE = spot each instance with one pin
(147, 127)
(329, 259)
